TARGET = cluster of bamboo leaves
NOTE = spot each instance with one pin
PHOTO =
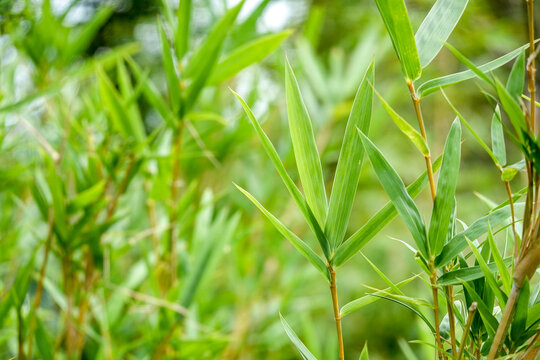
(451, 253)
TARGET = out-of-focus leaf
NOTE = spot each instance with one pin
(349, 163)
(181, 37)
(497, 137)
(87, 197)
(396, 19)
(246, 55)
(173, 82)
(43, 342)
(437, 27)
(511, 171)
(364, 355)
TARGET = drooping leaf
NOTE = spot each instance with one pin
(437, 27)
(396, 19)
(349, 163)
(446, 189)
(431, 86)
(398, 194)
(305, 150)
(246, 55)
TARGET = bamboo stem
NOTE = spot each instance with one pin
(498, 340)
(451, 319)
(337, 315)
(531, 63)
(435, 292)
(418, 110)
(470, 318)
(173, 214)
(511, 202)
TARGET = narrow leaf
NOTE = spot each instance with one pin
(446, 189)
(298, 344)
(490, 279)
(173, 82)
(414, 136)
(349, 163)
(497, 137)
(181, 37)
(396, 19)
(246, 55)
(455, 277)
(301, 246)
(305, 150)
(437, 27)
(398, 194)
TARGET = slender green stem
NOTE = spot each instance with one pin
(435, 293)
(451, 319)
(470, 318)
(531, 63)
(173, 214)
(337, 315)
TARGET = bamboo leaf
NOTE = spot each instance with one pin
(489, 320)
(44, 345)
(300, 245)
(437, 27)
(349, 163)
(364, 355)
(431, 86)
(502, 267)
(512, 108)
(398, 194)
(173, 82)
(473, 232)
(490, 279)
(446, 189)
(181, 38)
(396, 19)
(305, 150)
(418, 313)
(202, 62)
(455, 277)
(377, 222)
(298, 344)
(519, 320)
(516, 79)
(246, 55)
(414, 136)
(497, 137)
(291, 186)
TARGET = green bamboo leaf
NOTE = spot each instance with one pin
(298, 344)
(398, 194)
(291, 186)
(349, 163)
(181, 37)
(431, 86)
(477, 71)
(473, 232)
(246, 55)
(489, 320)
(414, 136)
(455, 277)
(511, 171)
(516, 79)
(364, 355)
(437, 27)
(418, 313)
(305, 150)
(490, 279)
(300, 245)
(519, 320)
(512, 108)
(471, 130)
(396, 20)
(86, 197)
(122, 121)
(377, 222)
(152, 94)
(388, 282)
(204, 59)
(502, 267)
(446, 189)
(173, 82)
(497, 137)
(44, 344)
(369, 299)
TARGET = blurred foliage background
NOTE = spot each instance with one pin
(47, 71)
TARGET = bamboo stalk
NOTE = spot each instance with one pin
(470, 318)
(337, 315)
